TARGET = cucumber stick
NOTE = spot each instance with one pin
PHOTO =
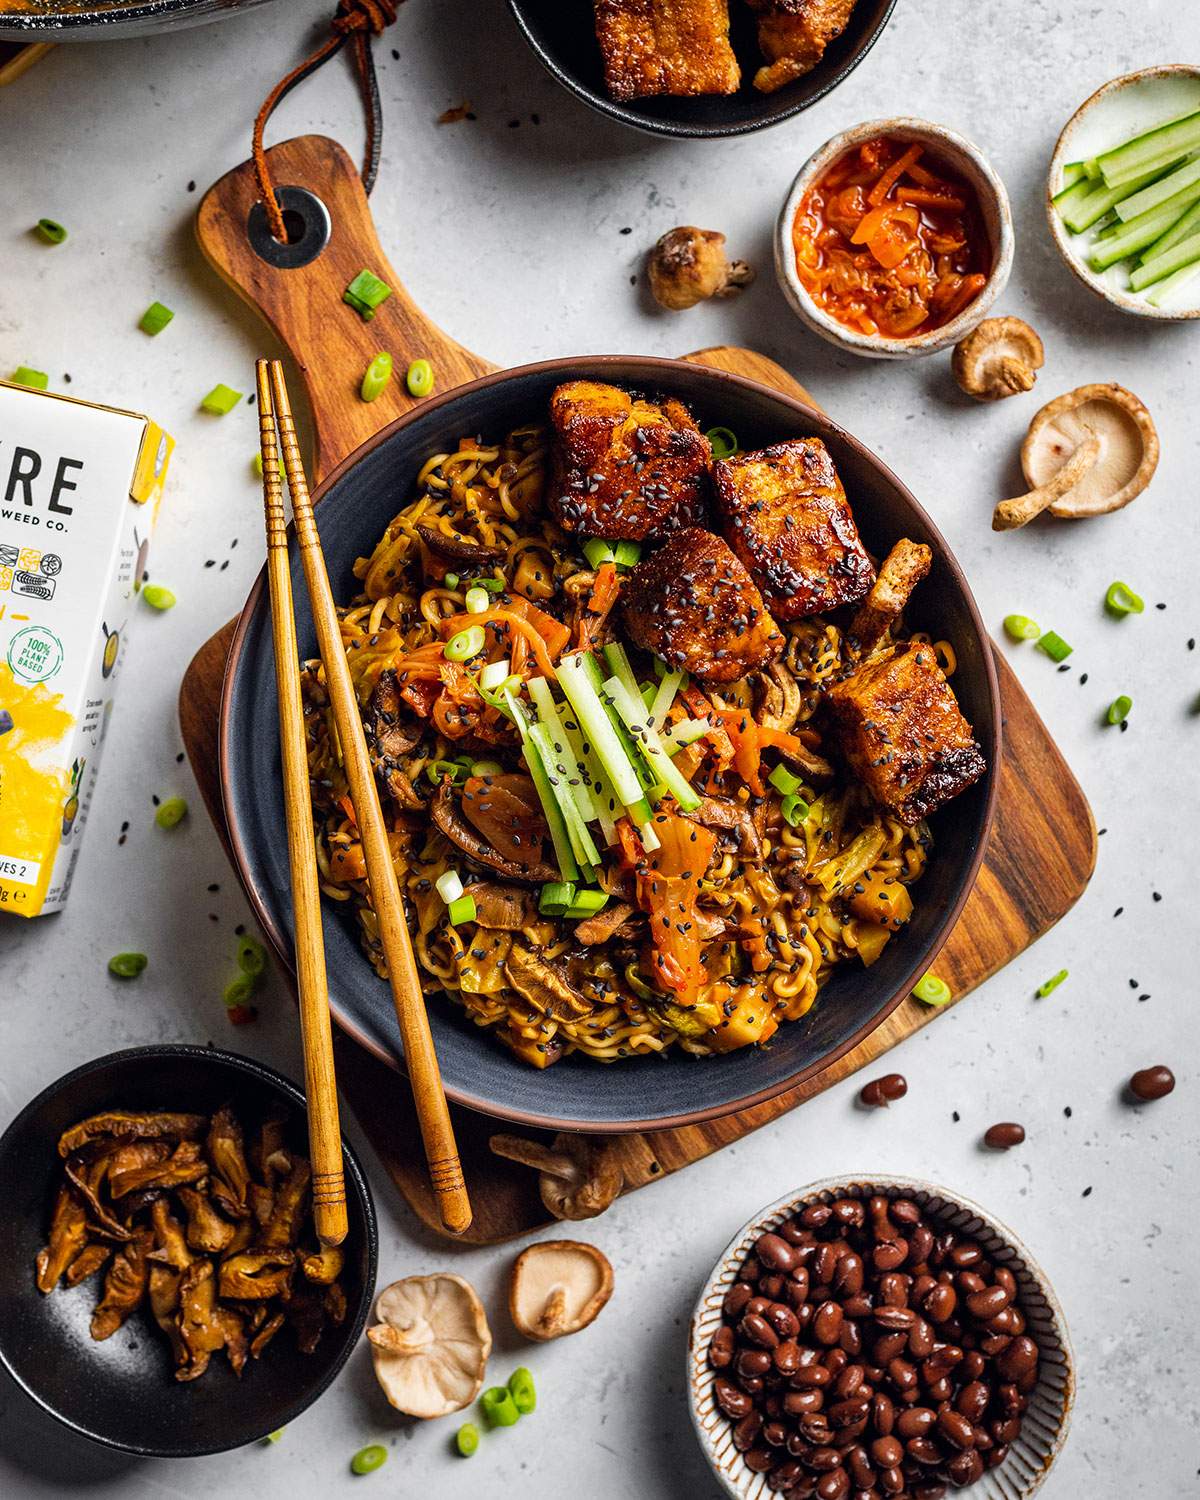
(1148, 227)
(1157, 193)
(549, 750)
(1163, 293)
(1099, 199)
(1179, 255)
(633, 712)
(1182, 229)
(573, 678)
(1153, 149)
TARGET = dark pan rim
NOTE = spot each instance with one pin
(356, 1177)
(107, 22)
(653, 126)
(658, 370)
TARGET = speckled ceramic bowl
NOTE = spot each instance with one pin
(1044, 1427)
(1120, 110)
(965, 158)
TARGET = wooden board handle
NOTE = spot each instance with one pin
(329, 342)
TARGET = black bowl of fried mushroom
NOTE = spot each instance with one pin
(701, 67)
(162, 1288)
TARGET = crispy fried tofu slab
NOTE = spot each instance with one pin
(666, 47)
(694, 604)
(624, 467)
(793, 36)
(901, 730)
(786, 516)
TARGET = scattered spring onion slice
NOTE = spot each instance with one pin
(171, 813)
(127, 965)
(495, 674)
(365, 293)
(466, 644)
(251, 956)
(451, 580)
(1121, 600)
(499, 1408)
(449, 886)
(1118, 709)
(627, 554)
(239, 991)
(1054, 646)
(435, 770)
(274, 1437)
(785, 781)
(377, 377)
(155, 318)
(256, 464)
(36, 380)
(794, 810)
(477, 600)
(522, 1390)
(492, 585)
(598, 551)
(466, 1439)
(931, 990)
(50, 230)
(555, 897)
(486, 768)
(158, 597)
(587, 903)
(462, 910)
(419, 378)
(1051, 984)
(221, 400)
(368, 1459)
(1021, 628)
(723, 442)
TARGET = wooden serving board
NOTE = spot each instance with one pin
(1040, 856)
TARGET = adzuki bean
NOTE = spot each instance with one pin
(866, 1354)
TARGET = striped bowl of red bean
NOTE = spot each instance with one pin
(901, 1431)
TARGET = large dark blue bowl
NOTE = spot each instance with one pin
(356, 503)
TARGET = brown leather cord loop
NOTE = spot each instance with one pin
(356, 22)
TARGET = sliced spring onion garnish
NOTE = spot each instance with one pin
(171, 812)
(555, 897)
(1021, 628)
(36, 380)
(1054, 646)
(785, 781)
(932, 991)
(627, 554)
(155, 318)
(419, 378)
(158, 596)
(477, 600)
(50, 230)
(486, 768)
(221, 400)
(466, 644)
(587, 903)
(1118, 709)
(633, 712)
(256, 464)
(365, 293)
(437, 770)
(794, 810)
(451, 580)
(462, 910)
(495, 674)
(492, 585)
(1051, 984)
(598, 551)
(1121, 600)
(377, 378)
(449, 886)
(723, 442)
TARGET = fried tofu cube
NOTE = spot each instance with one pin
(787, 518)
(666, 47)
(693, 604)
(624, 467)
(901, 731)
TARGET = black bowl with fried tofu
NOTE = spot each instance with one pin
(212, 1149)
(701, 67)
(802, 536)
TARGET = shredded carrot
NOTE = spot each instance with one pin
(547, 637)
(347, 807)
(892, 176)
(927, 199)
(600, 602)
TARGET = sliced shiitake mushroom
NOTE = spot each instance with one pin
(558, 1287)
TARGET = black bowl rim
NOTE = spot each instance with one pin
(355, 1175)
(658, 371)
(650, 125)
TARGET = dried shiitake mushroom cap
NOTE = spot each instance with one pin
(577, 1177)
(999, 358)
(558, 1287)
(431, 1344)
(688, 265)
(1086, 453)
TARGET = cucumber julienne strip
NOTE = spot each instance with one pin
(1157, 193)
(648, 742)
(1148, 227)
(1180, 230)
(548, 749)
(1163, 293)
(1174, 259)
(595, 677)
(1175, 137)
(664, 698)
(1096, 203)
(559, 837)
(586, 794)
(573, 678)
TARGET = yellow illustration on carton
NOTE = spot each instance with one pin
(35, 790)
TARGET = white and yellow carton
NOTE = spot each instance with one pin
(79, 491)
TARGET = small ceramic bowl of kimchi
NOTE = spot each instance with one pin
(895, 239)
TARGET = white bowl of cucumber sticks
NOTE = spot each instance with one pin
(1123, 195)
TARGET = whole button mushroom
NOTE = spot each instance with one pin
(578, 1177)
(558, 1287)
(688, 265)
(431, 1344)
(999, 358)
(1086, 453)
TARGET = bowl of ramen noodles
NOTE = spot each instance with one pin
(685, 726)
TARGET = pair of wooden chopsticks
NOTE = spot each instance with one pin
(437, 1132)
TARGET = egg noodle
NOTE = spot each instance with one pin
(792, 896)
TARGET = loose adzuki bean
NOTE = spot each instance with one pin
(881, 1092)
(864, 1354)
(1153, 1083)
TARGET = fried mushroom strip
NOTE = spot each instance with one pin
(149, 1126)
(905, 566)
(68, 1236)
(124, 1285)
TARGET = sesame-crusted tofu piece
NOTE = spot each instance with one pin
(787, 518)
(901, 730)
(624, 467)
(693, 604)
(666, 47)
